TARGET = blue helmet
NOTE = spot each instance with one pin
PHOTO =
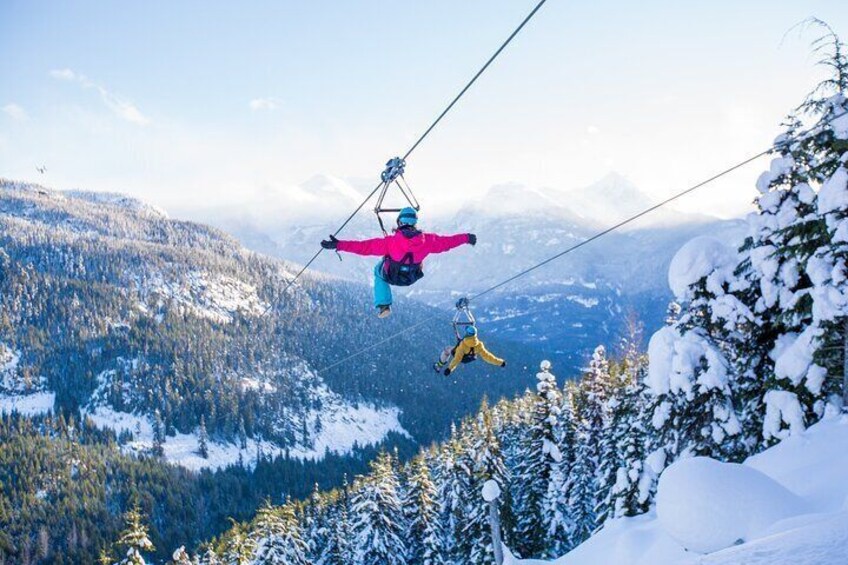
(407, 217)
(470, 331)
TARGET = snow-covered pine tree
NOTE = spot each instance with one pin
(377, 520)
(134, 538)
(239, 548)
(203, 439)
(277, 536)
(627, 488)
(485, 460)
(706, 348)
(421, 510)
(158, 435)
(589, 402)
(209, 557)
(452, 479)
(315, 527)
(793, 254)
(538, 480)
(296, 551)
(180, 557)
(339, 548)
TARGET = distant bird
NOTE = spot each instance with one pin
(41, 169)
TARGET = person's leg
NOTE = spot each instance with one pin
(444, 357)
(382, 290)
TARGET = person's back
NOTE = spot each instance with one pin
(470, 344)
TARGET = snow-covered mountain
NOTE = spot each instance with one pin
(151, 326)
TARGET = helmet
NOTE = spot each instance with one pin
(470, 331)
(407, 217)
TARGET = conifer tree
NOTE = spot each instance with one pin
(422, 516)
(541, 523)
(277, 536)
(134, 538)
(482, 456)
(203, 439)
(240, 547)
(377, 519)
(158, 435)
(453, 478)
(180, 557)
(792, 257)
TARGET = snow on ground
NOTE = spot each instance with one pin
(343, 426)
(216, 297)
(17, 393)
(738, 502)
(810, 521)
(27, 404)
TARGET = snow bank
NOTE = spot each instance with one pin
(804, 473)
(636, 541)
(812, 464)
(707, 505)
(697, 259)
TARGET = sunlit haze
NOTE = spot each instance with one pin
(196, 106)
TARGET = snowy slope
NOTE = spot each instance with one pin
(813, 465)
(342, 427)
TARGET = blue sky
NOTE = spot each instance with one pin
(197, 104)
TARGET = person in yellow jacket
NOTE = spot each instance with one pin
(466, 351)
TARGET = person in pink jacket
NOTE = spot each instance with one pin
(402, 254)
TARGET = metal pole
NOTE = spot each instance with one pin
(495, 523)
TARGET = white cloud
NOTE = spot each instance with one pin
(122, 108)
(264, 104)
(15, 112)
(63, 74)
(593, 130)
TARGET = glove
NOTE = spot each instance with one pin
(472, 239)
(503, 363)
(331, 243)
(447, 371)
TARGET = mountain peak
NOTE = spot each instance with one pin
(512, 198)
(327, 186)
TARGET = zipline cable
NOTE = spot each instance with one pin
(594, 237)
(414, 146)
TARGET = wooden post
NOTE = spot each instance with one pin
(495, 523)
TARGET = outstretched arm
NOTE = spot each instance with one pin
(487, 356)
(376, 246)
(441, 243)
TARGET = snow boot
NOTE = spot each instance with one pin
(384, 311)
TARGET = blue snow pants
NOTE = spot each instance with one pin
(382, 290)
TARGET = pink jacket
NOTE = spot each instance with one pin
(397, 245)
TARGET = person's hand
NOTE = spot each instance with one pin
(447, 372)
(472, 239)
(331, 243)
(503, 363)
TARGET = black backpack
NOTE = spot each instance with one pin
(469, 357)
(403, 272)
